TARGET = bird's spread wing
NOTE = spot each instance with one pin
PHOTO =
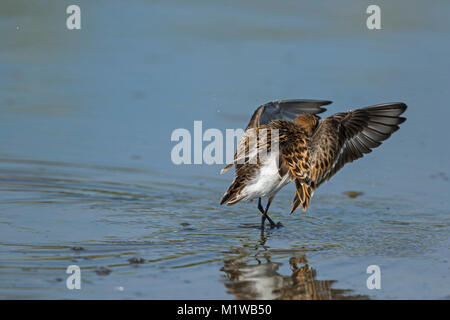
(339, 139)
(277, 110)
(345, 137)
(285, 110)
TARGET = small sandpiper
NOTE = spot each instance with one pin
(308, 151)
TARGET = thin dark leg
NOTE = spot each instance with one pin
(260, 207)
(265, 215)
(272, 224)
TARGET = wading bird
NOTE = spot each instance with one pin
(292, 144)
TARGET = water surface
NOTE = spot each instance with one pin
(86, 177)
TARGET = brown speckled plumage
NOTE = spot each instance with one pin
(310, 152)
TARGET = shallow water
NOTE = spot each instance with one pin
(86, 177)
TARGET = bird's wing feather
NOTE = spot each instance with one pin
(345, 137)
(285, 110)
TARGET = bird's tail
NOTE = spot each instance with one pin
(303, 194)
(232, 195)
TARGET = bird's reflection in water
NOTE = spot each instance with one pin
(252, 274)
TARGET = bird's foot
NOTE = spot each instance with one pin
(276, 225)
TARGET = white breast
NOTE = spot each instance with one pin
(267, 182)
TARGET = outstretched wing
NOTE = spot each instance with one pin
(345, 137)
(279, 110)
(285, 110)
